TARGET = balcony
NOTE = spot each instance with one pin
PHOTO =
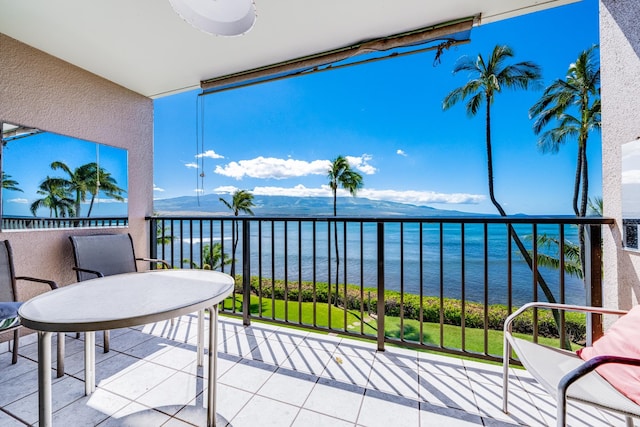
(274, 375)
(283, 362)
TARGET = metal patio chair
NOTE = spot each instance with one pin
(563, 374)
(102, 255)
(9, 319)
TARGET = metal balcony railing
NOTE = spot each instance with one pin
(436, 283)
(31, 223)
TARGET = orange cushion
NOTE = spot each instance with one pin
(621, 339)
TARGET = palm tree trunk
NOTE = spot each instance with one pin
(512, 232)
(93, 197)
(584, 200)
(490, 163)
(576, 183)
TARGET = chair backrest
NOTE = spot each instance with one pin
(107, 253)
(7, 276)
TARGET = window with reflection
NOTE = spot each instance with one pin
(631, 194)
(51, 180)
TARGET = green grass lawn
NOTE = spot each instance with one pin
(474, 338)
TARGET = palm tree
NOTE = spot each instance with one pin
(163, 235)
(341, 175)
(77, 182)
(91, 179)
(489, 78)
(573, 104)
(212, 258)
(595, 206)
(549, 248)
(57, 198)
(241, 201)
(101, 180)
(9, 184)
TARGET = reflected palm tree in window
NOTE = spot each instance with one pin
(56, 199)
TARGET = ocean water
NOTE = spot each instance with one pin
(455, 264)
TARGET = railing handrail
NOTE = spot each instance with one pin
(513, 219)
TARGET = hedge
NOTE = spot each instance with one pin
(451, 308)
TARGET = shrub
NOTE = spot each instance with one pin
(411, 308)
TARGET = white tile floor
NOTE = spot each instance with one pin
(273, 376)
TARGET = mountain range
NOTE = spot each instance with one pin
(210, 204)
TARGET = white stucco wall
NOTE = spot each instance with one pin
(620, 68)
(41, 91)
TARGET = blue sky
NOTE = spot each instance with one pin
(387, 118)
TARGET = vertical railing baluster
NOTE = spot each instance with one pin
(315, 297)
(273, 269)
(181, 248)
(222, 245)
(402, 281)
(441, 284)
(561, 248)
(421, 283)
(190, 242)
(246, 273)
(509, 272)
(171, 248)
(285, 225)
(329, 302)
(463, 296)
(593, 278)
(201, 225)
(344, 251)
(300, 272)
(260, 269)
(486, 287)
(153, 238)
(381, 302)
(535, 279)
(362, 316)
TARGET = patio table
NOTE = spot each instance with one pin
(121, 301)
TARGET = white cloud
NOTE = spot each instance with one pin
(191, 165)
(156, 188)
(99, 200)
(631, 176)
(361, 163)
(198, 191)
(401, 153)
(273, 168)
(18, 200)
(225, 189)
(421, 197)
(408, 197)
(210, 154)
(297, 191)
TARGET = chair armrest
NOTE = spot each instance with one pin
(555, 306)
(85, 270)
(51, 283)
(590, 365)
(161, 261)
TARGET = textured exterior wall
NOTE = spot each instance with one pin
(620, 68)
(39, 90)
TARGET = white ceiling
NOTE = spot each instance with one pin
(144, 46)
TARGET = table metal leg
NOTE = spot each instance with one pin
(200, 345)
(44, 379)
(89, 363)
(61, 338)
(213, 365)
